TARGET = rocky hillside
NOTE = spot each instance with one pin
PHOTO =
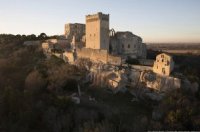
(42, 95)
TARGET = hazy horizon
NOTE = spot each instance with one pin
(156, 21)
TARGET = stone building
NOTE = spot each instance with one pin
(74, 29)
(96, 42)
(127, 44)
(164, 64)
(97, 31)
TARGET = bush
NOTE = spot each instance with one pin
(34, 82)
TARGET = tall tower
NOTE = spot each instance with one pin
(97, 31)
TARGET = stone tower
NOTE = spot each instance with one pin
(97, 31)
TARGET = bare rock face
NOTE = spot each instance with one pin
(158, 82)
(148, 76)
(114, 80)
(139, 83)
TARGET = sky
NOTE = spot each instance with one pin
(153, 20)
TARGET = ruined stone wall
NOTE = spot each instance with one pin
(114, 46)
(76, 29)
(51, 41)
(127, 44)
(69, 57)
(29, 43)
(93, 54)
(63, 43)
(142, 51)
(99, 56)
(114, 60)
(141, 68)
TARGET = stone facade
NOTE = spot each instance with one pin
(74, 29)
(96, 55)
(142, 51)
(69, 57)
(164, 64)
(97, 31)
(127, 44)
(54, 47)
(93, 54)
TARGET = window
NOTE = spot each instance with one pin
(167, 63)
(129, 46)
(163, 70)
(122, 45)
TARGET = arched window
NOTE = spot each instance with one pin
(129, 46)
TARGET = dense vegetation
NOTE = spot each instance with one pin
(35, 97)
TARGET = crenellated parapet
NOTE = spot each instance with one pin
(98, 16)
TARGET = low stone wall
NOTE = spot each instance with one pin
(146, 62)
(93, 54)
(141, 68)
(69, 57)
(29, 43)
(52, 41)
(114, 60)
(98, 56)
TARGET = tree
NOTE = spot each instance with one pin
(42, 36)
(34, 82)
(31, 37)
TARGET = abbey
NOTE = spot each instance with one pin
(118, 58)
(97, 42)
(95, 39)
